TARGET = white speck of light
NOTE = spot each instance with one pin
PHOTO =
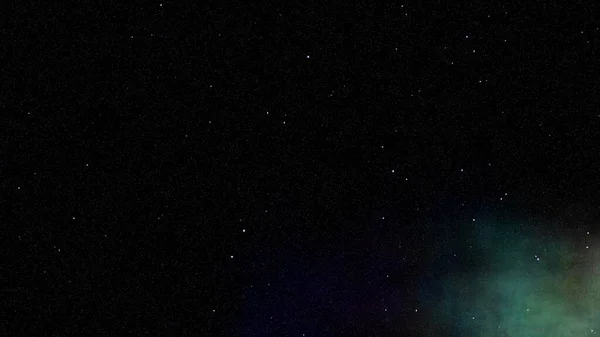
(160, 5)
(231, 256)
(382, 218)
(307, 56)
(467, 36)
(243, 231)
(473, 50)
(73, 218)
(393, 171)
(473, 220)
(18, 187)
(587, 247)
(588, 233)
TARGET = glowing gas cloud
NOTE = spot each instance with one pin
(519, 283)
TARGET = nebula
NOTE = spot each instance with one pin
(518, 283)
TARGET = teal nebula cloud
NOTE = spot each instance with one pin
(517, 283)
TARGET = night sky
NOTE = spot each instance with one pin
(212, 168)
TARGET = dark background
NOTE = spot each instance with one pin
(143, 145)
